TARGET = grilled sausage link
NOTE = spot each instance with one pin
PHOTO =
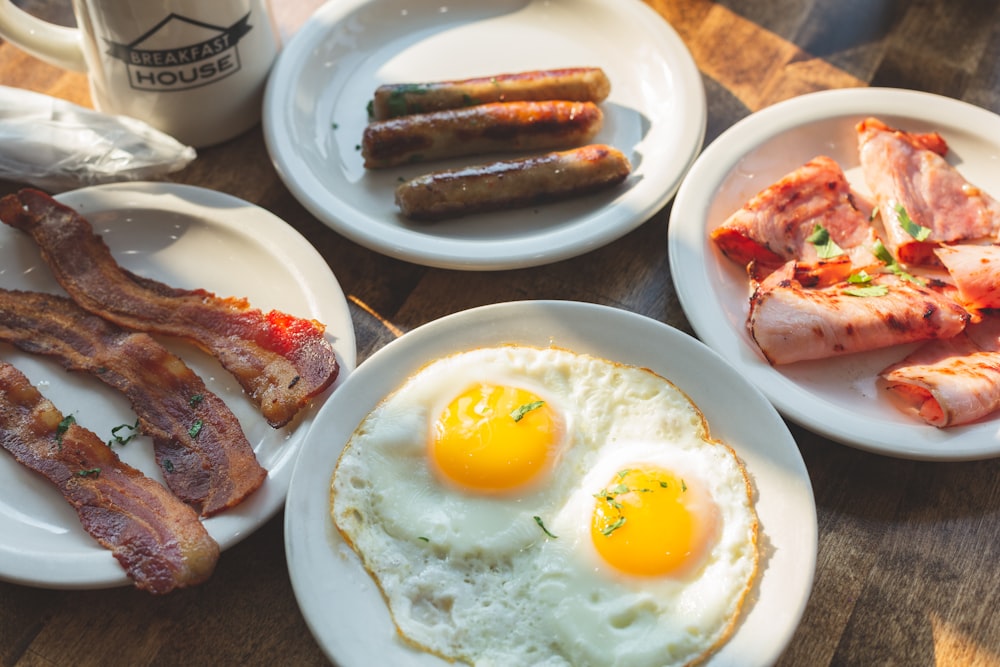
(485, 128)
(580, 84)
(512, 183)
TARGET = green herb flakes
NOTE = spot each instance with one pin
(541, 525)
(518, 413)
(825, 246)
(118, 438)
(918, 232)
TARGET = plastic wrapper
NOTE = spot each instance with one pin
(56, 145)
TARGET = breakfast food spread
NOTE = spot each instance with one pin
(158, 540)
(198, 443)
(831, 273)
(543, 113)
(281, 361)
(578, 84)
(521, 505)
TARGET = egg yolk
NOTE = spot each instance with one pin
(650, 522)
(494, 439)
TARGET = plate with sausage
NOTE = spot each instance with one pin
(842, 153)
(536, 130)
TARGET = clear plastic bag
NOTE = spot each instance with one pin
(56, 145)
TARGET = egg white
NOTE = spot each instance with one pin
(649, 620)
(478, 578)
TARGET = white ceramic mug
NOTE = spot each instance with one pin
(195, 69)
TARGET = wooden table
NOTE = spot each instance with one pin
(907, 569)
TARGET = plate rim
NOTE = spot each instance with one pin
(98, 569)
(309, 546)
(687, 229)
(624, 213)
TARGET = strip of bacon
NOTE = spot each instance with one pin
(775, 225)
(976, 272)
(790, 322)
(911, 180)
(281, 361)
(952, 381)
(157, 539)
(198, 442)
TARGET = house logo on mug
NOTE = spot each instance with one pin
(180, 53)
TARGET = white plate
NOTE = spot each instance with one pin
(315, 113)
(836, 398)
(344, 608)
(186, 237)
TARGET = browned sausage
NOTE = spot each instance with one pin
(512, 183)
(486, 128)
(579, 84)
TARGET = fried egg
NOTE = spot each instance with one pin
(521, 505)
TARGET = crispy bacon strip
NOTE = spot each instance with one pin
(907, 173)
(790, 322)
(952, 381)
(281, 361)
(157, 539)
(775, 225)
(198, 443)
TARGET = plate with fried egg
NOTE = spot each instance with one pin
(550, 482)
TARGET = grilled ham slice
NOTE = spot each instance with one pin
(916, 189)
(156, 538)
(775, 225)
(790, 322)
(951, 381)
(975, 269)
(281, 361)
(198, 443)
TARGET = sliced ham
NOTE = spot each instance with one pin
(791, 322)
(775, 225)
(952, 381)
(915, 188)
(975, 270)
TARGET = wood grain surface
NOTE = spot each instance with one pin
(907, 570)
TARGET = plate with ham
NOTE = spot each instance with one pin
(842, 250)
(171, 447)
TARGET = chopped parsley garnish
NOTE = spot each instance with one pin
(825, 246)
(63, 427)
(89, 472)
(518, 413)
(196, 400)
(892, 266)
(541, 525)
(607, 530)
(862, 277)
(918, 232)
(424, 539)
(867, 291)
(168, 465)
(118, 439)
(195, 428)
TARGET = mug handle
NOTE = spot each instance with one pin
(55, 44)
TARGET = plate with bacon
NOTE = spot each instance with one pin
(840, 249)
(163, 351)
